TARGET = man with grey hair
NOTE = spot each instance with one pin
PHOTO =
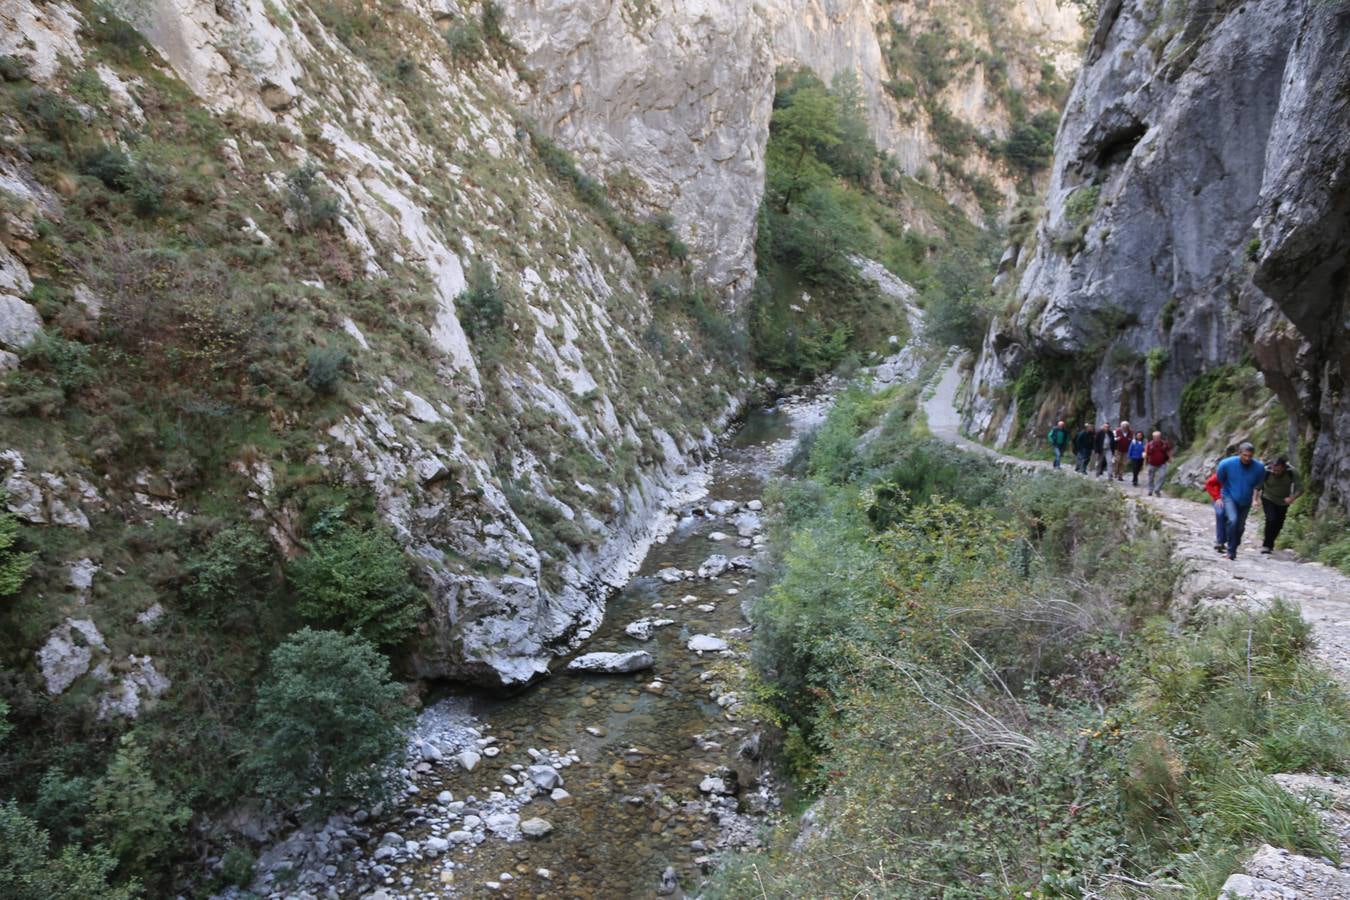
(1239, 478)
(1157, 453)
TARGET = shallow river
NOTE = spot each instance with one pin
(642, 749)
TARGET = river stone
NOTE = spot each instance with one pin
(430, 753)
(503, 824)
(706, 643)
(742, 562)
(546, 777)
(469, 760)
(717, 536)
(642, 629)
(459, 837)
(754, 506)
(748, 524)
(612, 663)
(713, 566)
(445, 798)
(670, 575)
(535, 828)
(722, 507)
(437, 845)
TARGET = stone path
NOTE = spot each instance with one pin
(1250, 581)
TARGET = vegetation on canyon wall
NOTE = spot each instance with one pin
(979, 687)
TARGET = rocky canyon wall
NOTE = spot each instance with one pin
(1195, 217)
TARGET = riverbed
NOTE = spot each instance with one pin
(590, 785)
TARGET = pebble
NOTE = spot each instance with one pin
(445, 798)
(717, 536)
(468, 759)
(558, 795)
(544, 874)
(490, 752)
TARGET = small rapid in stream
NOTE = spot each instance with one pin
(590, 786)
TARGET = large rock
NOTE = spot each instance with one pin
(707, 643)
(643, 629)
(714, 566)
(19, 322)
(611, 663)
(68, 653)
(1216, 138)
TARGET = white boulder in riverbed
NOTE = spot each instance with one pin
(706, 643)
(535, 828)
(748, 524)
(611, 663)
(717, 536)
(742, 562)
(754, 506)
(670, 575)
(722, 507)
(469, 760)
(546, 777)
(714, 566)
(643, 629)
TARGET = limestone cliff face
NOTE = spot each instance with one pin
(592, 412)
(1199, 163)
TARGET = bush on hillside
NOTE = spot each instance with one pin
(31, 870)
(329, 716)
(135, 816)
(357, 580)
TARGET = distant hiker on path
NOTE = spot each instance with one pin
(1082, 448)
(1215, 490)
(1240, 477)
(1157, 453)
(1122, 442)
(1104, 447)
(1136, 454)
(1279, 489)
(1059, 441)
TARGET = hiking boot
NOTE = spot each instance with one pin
(1219, 548)
(1267, 550)
(1232, 556)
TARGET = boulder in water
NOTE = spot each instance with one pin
(611, 663)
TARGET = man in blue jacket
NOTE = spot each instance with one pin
(1239, 478)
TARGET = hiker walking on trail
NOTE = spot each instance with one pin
(1239, 477)
(1122, 442)
(1135, 451)
(1059, 441)
(1082, 448)
(1279, 489)
(1103, 448)
(1157, 453)
(1215, 491)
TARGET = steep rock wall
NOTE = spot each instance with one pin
(1190, 145)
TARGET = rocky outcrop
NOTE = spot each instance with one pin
(1200, 167)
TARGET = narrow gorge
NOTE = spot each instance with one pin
(477, 447)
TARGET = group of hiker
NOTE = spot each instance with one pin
(1109, 450)
(1234, 484)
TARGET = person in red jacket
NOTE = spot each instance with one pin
(1157, 453)
(1214, 489)
(1122, 438)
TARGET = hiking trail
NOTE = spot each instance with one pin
(1252, 581)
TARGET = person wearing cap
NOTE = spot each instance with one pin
(1082, 448)
(1279, 489)
(1239, 478)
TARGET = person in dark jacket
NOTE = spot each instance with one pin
(1059, 441)
(1104, 447)
(1279, 489)
(1082, 448)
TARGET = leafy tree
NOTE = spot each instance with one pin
(330, 716)
(800, 132)
(138, 819)
(957, 299)
(1032, 143)
(480, 307)
(358, 580)
(819, 238)
(852, 157)
(29, 870)
(14, 564)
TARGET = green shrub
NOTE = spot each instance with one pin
(1031, 144)
(137, 818)
(63, 805)
(14, 563)
(315, 206)
(12, 68)
(329, 717)
(358, 580)
(481, 309)
(229, 575)
(1156, 360)
(133, 177)
(466, 41)
(324, 367)
(1252, 806)
(30, 871)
